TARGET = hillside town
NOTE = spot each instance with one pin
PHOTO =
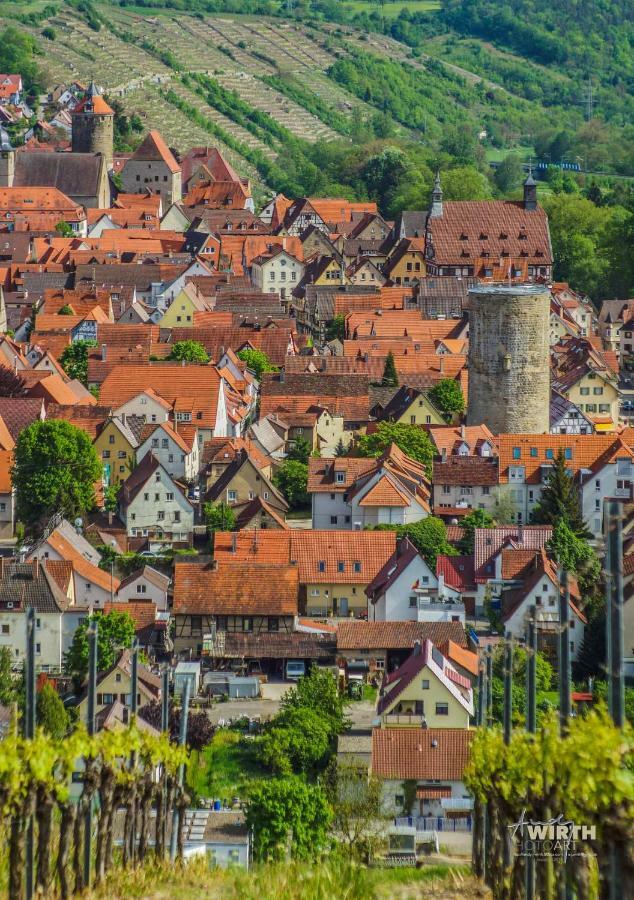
(267, 444)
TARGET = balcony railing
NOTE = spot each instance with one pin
(415, 721)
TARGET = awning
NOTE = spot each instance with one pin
(432, 793)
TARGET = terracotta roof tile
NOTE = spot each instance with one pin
(240, 589)
(460, 657)
(142, 613)
(6, 461)
(432, 754)
(458, 571)
(385, 493)
(489, 541)
(360, 635)
(532, 451)
(154, 147)
(466, 470)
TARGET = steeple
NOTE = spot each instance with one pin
(436, 198)
(530, 190)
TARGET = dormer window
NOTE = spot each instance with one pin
(484, 236)
(321, 566)
(503, 235)
(340, 477)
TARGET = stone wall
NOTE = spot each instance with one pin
(509, 359)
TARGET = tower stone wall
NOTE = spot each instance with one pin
(509, 358)
(93, 133)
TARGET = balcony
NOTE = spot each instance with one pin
(404, 719)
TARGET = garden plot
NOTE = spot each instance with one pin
(295, 118)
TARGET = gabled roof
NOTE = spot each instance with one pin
(29, 584)
(543, 567)
(86, 569)
(535, 451)
(385, 493)
(404, 554)
(134, 483)
(239, 589)
(460, 657)
(250, 514)
(154, 148)
(158, 579)
(425, 656)
(489, 541)
(242, 459)
(458, 571)
(431, 754)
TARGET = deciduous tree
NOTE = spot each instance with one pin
(292, 480)
(189, 351)
(55, 470)
(74, 360)
(413, 441)
(288, 813)
(116, 632)
(257, 361)
(51, 714)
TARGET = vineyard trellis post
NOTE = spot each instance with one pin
(531, 723)
(165, 700)
(29, 732)
(615, 649)
(93, 635)
(564, 650)
(508, 687)
(489, 678)
(182, 737)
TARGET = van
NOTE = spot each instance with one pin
(295, 669)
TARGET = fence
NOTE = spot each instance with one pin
(435, 823)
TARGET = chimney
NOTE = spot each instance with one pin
(442, 365)
(234, 542)
(520, 534)
(443, 454)
(463, 433)
(214, 565)
(282, 376)
(36, 568)
(417, 648)
(104, 352)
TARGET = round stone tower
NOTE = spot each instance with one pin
(93, 126)
(509, 358)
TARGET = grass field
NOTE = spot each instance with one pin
(330, 879)
(225, 768)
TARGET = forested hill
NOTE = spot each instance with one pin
(594, 38)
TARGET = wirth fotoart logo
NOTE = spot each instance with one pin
(558, 838)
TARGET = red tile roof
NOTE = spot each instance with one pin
(466, 470)
(431, 754)
(489, 541)
(154, 148)
(458, 571)
(240, 589)
(467, 229)
(532, 451)
(360, 635)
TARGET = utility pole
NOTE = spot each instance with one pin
(182, 737)
(29, 733)
(564, 650)
(93, 633)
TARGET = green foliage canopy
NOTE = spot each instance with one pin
(257, 361)
(74, 360)
(189, 351)
(116, 632)
(55, 470)
(288, 805)
(413, 441)
(292, 480)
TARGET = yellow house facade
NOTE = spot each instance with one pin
(116, 446)
(597, 396)
(425, 691)
(180, 313)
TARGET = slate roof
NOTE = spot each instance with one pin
(18, 412)
(74, 174)
(431, 754)
(29, 584)
(360, 635)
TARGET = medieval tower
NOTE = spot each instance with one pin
(509, 358)
(93, 126)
